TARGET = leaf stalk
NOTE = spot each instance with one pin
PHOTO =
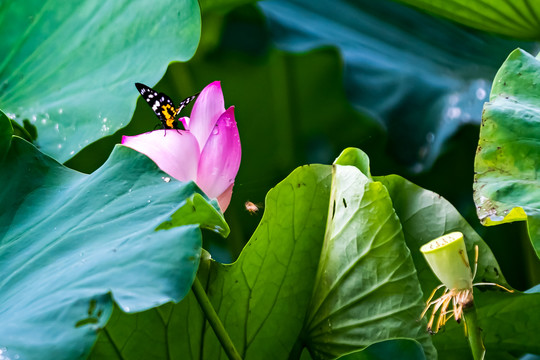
(213, 319)
(474, 332)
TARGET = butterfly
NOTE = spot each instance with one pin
(163, 106)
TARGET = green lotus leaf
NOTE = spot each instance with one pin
(507, 163)
(68, 68)
(354, 157)
(264, 297)
(71, 244)
(515, 18)
(509, 322)
(261, 298)
(426, 215)
(366, 289)
(403, 349)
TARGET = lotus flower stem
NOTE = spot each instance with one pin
(474, 332)
(215, 322)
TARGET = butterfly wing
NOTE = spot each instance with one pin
(184, 102)
(161, 104)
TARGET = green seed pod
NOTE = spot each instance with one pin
(447, 257)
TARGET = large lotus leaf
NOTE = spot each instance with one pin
(398, 66)
(68, 68)
(261, 298)
(391, 349)
(72, 243)
(264, 297)
(507, 163)
(366, 289)
(509, 322)
(515, 18)
(424, 216)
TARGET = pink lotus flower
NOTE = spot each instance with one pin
(207, 152)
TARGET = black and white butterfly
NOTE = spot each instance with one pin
(163, 106)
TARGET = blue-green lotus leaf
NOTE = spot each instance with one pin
(71, 244)
(68, 68)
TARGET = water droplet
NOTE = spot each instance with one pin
(430, 137)
(129, 190)
(480, 94)
(148, 201)
(104, 120)
(423, 151)
(215, 131)
(43, 121)
(59, 146)
(127, 308)
(166, 179)
(60, 111)
(57, 127)
(453, 112)
(72, 152)
(417, 167)
(453, 99)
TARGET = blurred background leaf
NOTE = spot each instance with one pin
(67, 69)
(515, 18)
(420, 76)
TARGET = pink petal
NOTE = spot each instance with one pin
(185, 121)
(225, 198)
(206, 111)
(220, 158)
(175, 152)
